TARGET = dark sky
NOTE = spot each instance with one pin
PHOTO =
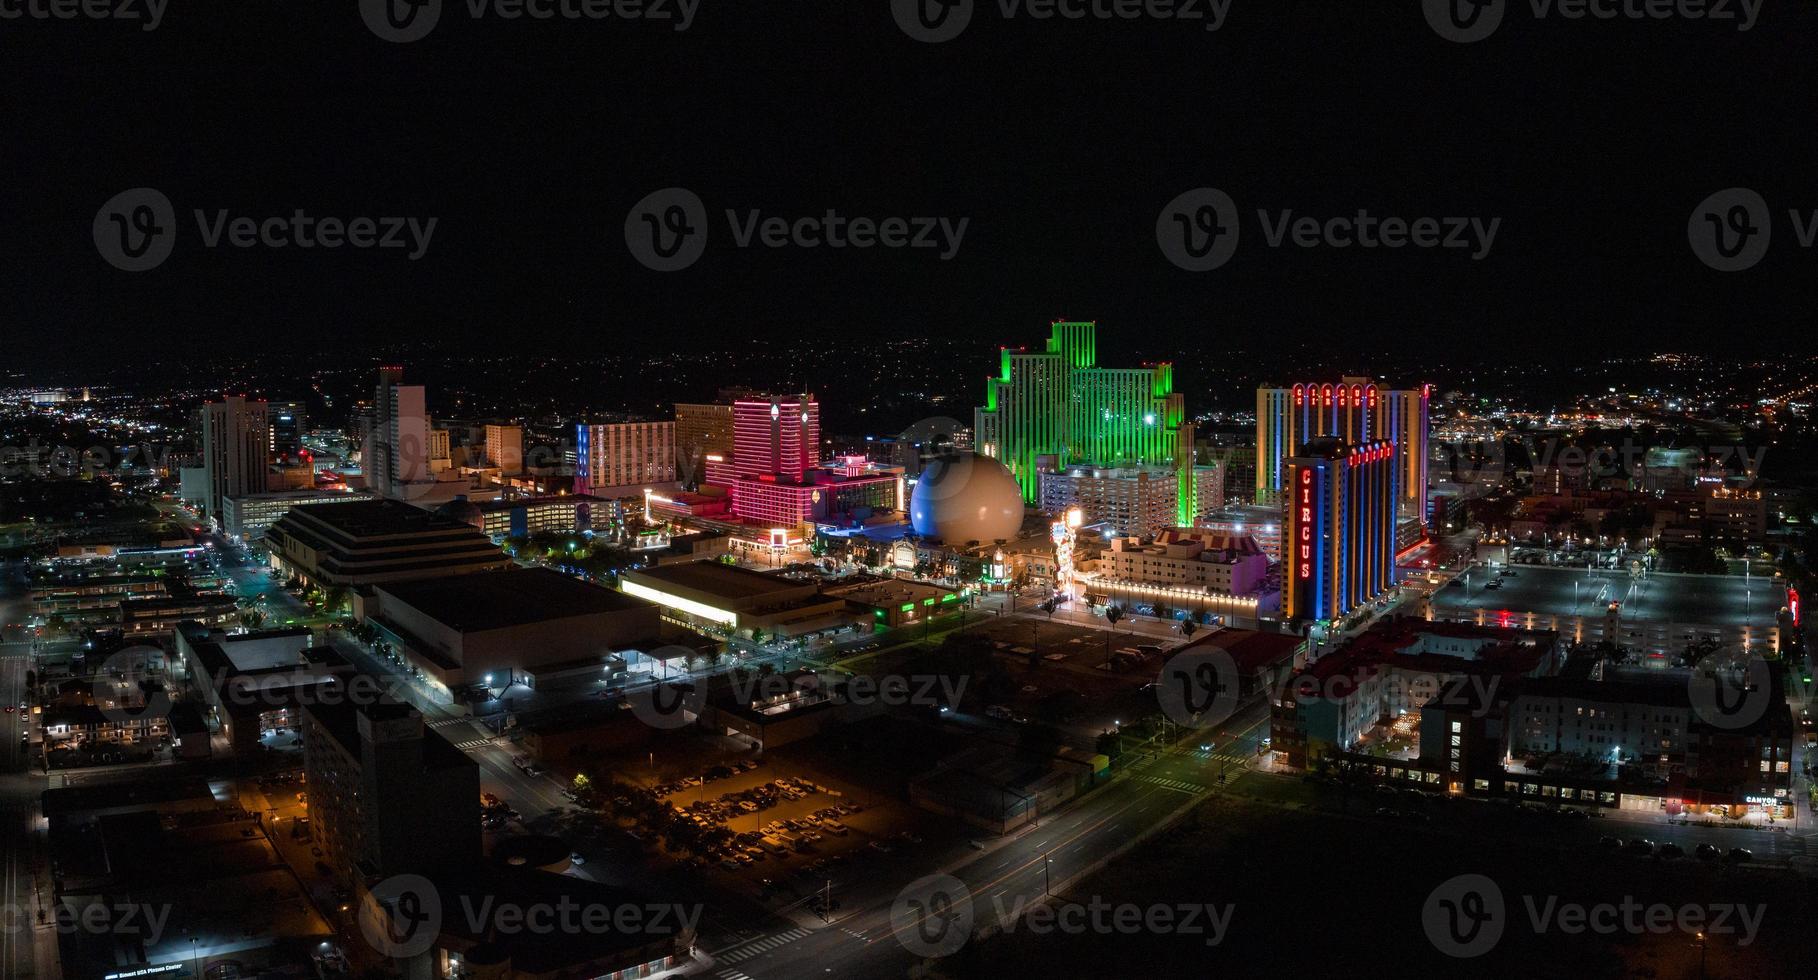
(1059, 140)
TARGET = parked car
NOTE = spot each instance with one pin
(1640, 845)
(1708, 852)
(1670, 850)
(1741, 854)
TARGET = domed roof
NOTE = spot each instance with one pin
(965, 498)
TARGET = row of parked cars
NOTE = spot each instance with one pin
(1646, 848)
(713, 774)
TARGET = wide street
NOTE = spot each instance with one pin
(1148, 793)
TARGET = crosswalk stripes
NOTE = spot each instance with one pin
(1174, 784)
(764, 945)
(472, 743)
(447, 723)
(733, 975)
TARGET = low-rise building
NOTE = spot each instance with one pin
(368, 542)
(1194, 558)
(1396, 667)
(506, 627)
(736, 598)
(247, 683)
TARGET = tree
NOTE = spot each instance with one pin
(1113, 613)
(1188, 627)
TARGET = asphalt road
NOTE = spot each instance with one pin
(860, 939)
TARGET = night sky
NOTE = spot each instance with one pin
(1058, 141)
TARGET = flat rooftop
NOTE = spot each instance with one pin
(1704, 600)
(729, 581)
(514, 597)
(891, 592)
(363, 518)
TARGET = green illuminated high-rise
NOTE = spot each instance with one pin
(1058, 407)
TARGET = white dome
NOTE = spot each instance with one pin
(966, 498)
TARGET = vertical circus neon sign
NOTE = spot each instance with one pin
(1306, 523)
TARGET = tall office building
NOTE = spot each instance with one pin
(396, 454)
(1049, 410)
(289, 420)
(1355, 410)
(702, 430)
(386, 794)
(775, 436)
(236, 450)
(505, 448)
(626, 455)
(774, 477)
(1340, 527)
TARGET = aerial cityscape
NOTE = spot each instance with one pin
(610, 489)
